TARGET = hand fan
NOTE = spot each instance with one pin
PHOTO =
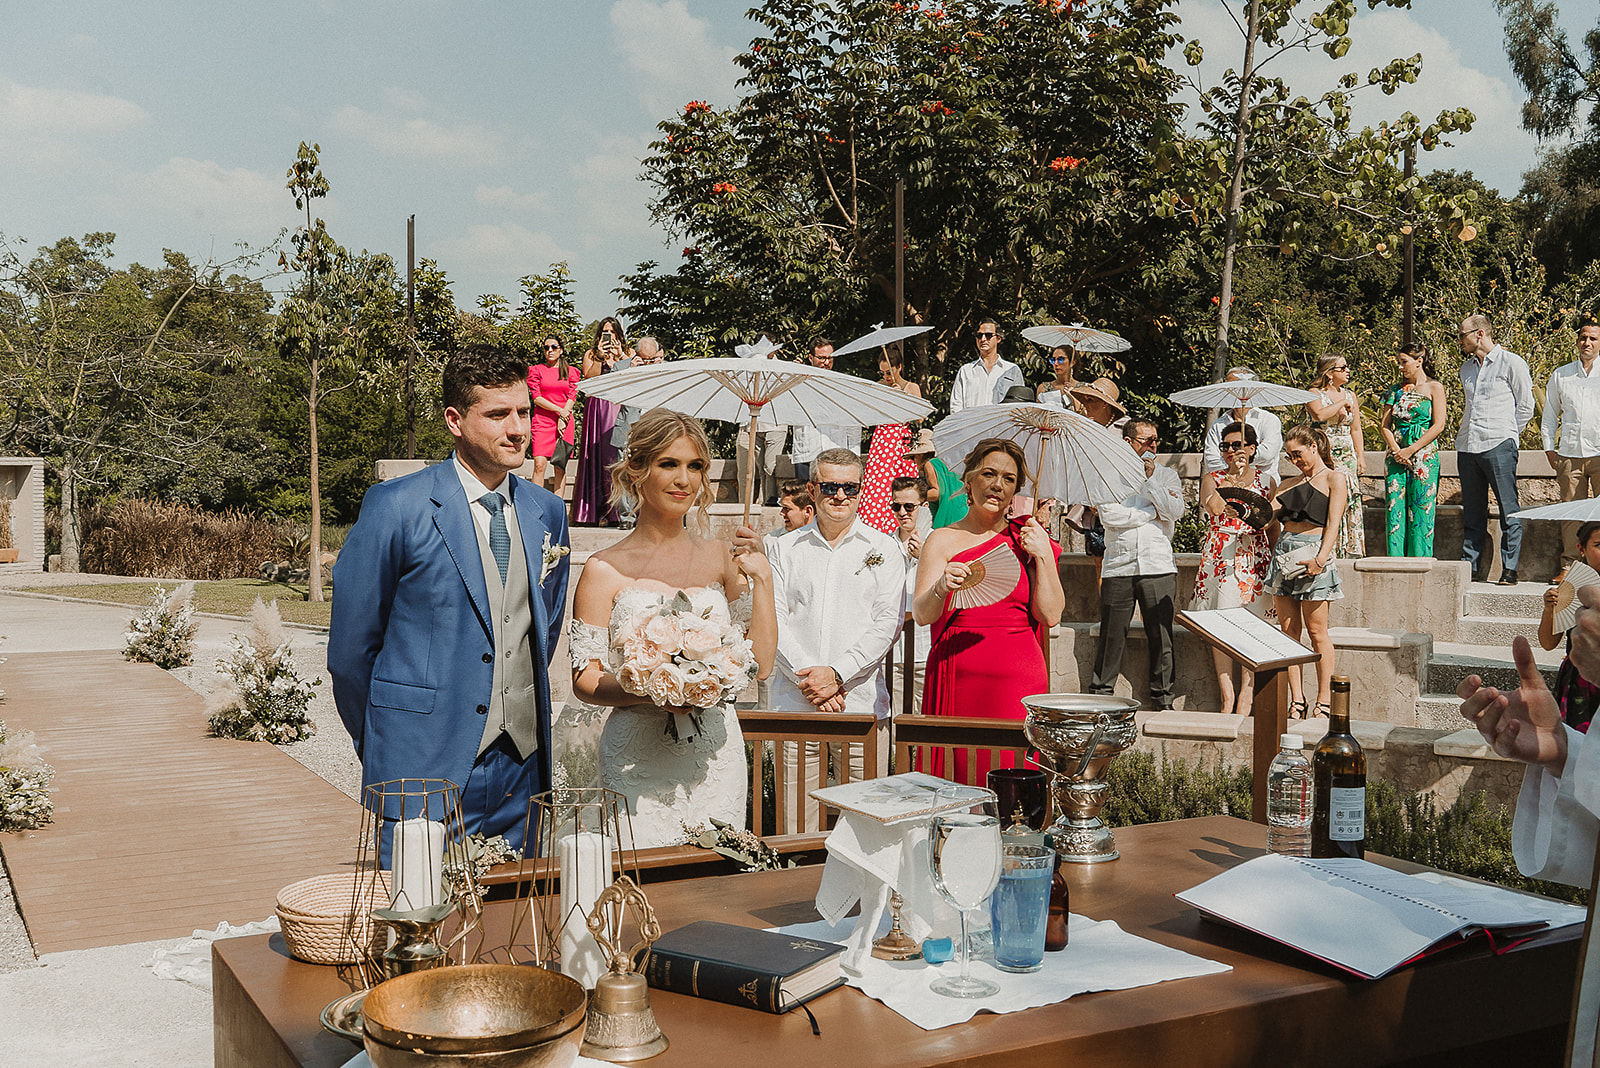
(1248, 505)
(1577, 577)
(992, 576)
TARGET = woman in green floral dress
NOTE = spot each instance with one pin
(1412, 422)
(1337, 411)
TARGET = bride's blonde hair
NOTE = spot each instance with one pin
(650, 435)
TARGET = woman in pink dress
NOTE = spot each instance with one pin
(886, 456)
(553, 386)
(984, 660)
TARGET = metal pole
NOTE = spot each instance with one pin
(1407, 316)
(411, 336)
(899, 252)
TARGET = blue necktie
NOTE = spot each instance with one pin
(499, 536)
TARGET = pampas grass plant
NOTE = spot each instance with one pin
(163, 634)
(262, 697)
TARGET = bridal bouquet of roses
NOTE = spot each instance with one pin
(678, 656)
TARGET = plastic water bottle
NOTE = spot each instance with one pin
(1289, 793)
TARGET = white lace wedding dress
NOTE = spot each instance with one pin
(667, 782)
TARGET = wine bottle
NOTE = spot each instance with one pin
(1339, 782)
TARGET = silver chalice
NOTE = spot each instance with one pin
(1077, 735)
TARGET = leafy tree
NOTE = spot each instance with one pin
(1023, 133)
(102, 371)
(1266, 161)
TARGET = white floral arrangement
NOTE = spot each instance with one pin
(24, 782)
(163, 634)
(263, 698)
(678, 656)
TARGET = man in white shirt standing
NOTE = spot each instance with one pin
(840, 588)
(986, 379)
(1497, 403)
(1139, 566)
(1269, 434)
(1571, 426)
(811, 441)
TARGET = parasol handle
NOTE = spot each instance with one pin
(750, 462)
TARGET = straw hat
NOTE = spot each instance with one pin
(921, 444)
(1101, 389)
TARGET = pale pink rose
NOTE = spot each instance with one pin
(703, 692)
(733, 661)
(666, 632)
(665, 685)
(700, 638)
(632, 679)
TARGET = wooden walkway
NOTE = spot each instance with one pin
(159, 829)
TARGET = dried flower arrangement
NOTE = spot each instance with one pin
(24, 780)
(163, 633)
(744, 846)
(262, 698)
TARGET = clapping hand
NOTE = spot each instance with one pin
(914, 546)
(1524, 724)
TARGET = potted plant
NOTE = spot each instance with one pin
(8, 551)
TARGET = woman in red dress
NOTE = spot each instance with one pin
(886, 456)
(984, 660)
(553, 387)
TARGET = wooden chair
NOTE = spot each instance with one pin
(917, 736)
(791, 731)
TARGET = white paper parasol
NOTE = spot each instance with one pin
(1072, 458)
(792, 394)
(880, 335)
(1243, 393)
(1579, 575)
(1076, 336)
(1581, 510)
(990, 579)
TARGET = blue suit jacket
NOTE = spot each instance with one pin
(411, 646)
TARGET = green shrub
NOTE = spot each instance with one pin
(1141, 792)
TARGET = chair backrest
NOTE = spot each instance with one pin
(775, 732)
(916, 737)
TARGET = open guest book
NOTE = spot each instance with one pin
(1366, 918)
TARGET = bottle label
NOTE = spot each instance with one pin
(1347, 813)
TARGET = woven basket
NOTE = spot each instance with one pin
(320, 925)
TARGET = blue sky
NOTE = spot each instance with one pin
(513, 130)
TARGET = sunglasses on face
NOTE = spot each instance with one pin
(552, 348)
(1147, 441)
(903, 509)
(1061, 359)
(1232, 446)
(836, 489)
(984, 335)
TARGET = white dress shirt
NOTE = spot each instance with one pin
(976, 385)
(1139, 530)
(475, 489)
(1269, 443)
(836, 608)
(1572, 402)
(1497, 400)
(809, 442)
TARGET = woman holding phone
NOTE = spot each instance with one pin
(591, 494)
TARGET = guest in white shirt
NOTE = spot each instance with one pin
(840, 594)
(986, 379)
(1139, 566)
(796, 509)
(1497, 403)
(1269, 434)
(1571, 425)
(909, 497)
(808, 442)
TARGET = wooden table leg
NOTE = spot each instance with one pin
(1270, 710)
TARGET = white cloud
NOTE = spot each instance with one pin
(674, 53)
(52, 112)
(1497, 150)
(503, 196)
(231, 202)
(607, 185)
(505, 250)
(468, 144)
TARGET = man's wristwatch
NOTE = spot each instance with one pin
(838, 679)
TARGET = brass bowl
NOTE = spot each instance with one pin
(474, 1009)
(560, 1052)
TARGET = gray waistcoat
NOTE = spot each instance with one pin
(513, 703)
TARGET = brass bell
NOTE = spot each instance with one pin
(622, 1026)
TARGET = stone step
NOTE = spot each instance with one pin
(1496, 630)
(1524, 600)
(1454, 661)
(1439, 711)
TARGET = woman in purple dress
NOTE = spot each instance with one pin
(591, 495)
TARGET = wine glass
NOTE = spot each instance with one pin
(964, 856)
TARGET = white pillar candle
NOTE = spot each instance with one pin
(585, 873)
(418, 863)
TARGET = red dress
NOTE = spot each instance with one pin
(983, 661)
(886, 461)
(545, 381)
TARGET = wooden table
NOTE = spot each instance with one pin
(1277, 1007)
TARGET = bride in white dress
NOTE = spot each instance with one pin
(674, 763)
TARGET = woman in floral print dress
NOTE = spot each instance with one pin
(1412, 422)
(1337, 411)
(1234, 562)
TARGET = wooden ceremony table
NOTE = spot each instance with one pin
(1277, 1007)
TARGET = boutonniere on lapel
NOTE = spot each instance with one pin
(873, 560)
(552, 556)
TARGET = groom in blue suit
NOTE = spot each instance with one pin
(448, 601)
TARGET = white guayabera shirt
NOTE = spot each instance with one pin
(1572, 409)
(839, 606)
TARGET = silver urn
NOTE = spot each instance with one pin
(1077, 736)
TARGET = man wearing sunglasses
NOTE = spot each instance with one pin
(839, 587)
(987, 379)
(808, 442)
